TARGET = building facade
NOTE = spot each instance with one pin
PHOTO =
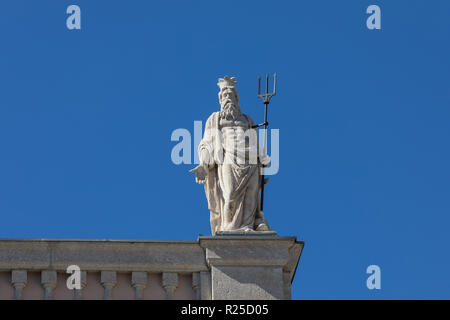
(221, 267)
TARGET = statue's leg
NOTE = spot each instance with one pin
(214, 218)
(260, 221)
(251, 201)
(227, 184)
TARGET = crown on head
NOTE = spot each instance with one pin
(226, 82)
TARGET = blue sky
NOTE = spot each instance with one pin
(86, 118)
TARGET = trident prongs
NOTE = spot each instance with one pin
(266, 100)
(267, 96)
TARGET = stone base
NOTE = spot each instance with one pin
(246, 233)
(252, 265)
(247, 282)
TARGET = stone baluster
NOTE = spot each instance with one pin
(19, 281)
(78, 293)
(205, 285)
(48, 281)
(169, 283)
(196, 285)
(108, 280)
(139, 282)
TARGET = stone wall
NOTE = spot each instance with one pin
(220, 267)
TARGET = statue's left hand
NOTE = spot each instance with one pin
(264, 159)
(200, 174)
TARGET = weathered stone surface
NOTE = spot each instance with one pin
(48, 280)
(169, 283)
(19, 281)
(205, 285)
(78, 293)
(27, 255)
(108, 277)
(108, 280)
(287, 285)
(98, 255)
(246, 233)
(230, 165)
(19, 276)
(247, 282)
(139, 278)
(48, 277)
(250, 267)
(196, 284)
(226, 266)
(246, 250)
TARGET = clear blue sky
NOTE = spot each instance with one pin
(86, 118)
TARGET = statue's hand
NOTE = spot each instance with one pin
(200, 174)
(264, 159)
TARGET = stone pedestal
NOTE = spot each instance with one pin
(257, 266)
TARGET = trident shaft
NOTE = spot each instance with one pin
(266, 100)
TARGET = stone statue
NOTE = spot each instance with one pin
(230, 162)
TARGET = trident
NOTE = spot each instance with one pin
(266, 100)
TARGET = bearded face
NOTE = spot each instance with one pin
(229, 103)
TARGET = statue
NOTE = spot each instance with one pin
(230, 163)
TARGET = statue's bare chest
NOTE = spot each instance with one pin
(235, 131)
(240, 123)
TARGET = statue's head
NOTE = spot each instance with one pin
(228, 98)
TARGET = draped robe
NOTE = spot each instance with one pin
(231, 187)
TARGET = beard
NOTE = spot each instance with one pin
(230, 111)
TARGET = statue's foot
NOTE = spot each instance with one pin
(262, 227)
(237, 231)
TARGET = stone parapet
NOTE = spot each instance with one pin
(219, 267)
